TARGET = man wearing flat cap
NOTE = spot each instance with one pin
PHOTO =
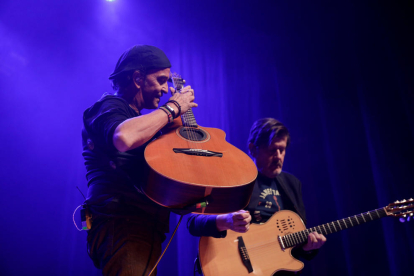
(127, 228)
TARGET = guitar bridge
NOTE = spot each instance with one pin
(244, 254)
(198, 152)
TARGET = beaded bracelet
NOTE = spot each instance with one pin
(177, 105)
(170, 117)
(170, 109)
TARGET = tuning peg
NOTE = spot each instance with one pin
(402, 219)
(409, 218)
(411, 199)
(397, 201)
(402, 201)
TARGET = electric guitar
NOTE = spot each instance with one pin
(266, 249)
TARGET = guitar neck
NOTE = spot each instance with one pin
(188, 119)
(301, 237)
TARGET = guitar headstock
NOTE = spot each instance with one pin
(403, 209)
(177, 81)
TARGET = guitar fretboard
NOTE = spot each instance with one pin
(301, 237)
(188, 119)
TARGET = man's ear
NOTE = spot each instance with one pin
(252, 150)
(137, 79)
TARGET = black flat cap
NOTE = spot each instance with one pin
(141, 57)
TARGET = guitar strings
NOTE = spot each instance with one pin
(176, 78)
(193, 130)
(189, 123)
(188, 118)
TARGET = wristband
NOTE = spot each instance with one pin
(170, 117)
(170, 109)
(177, 105)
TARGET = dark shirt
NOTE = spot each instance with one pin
(270, 200)
(114, 177)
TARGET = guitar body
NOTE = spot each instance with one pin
(179, 179)
(268, 246)
(222, 257)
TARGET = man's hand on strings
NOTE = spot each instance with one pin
(315, 241)
(238, 221)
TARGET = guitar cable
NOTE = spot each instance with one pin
(73, 216)
(197, 267)
(172, 236)
(188, 209)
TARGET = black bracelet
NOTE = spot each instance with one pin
(170, 109)
(177, 105)
(170, 117)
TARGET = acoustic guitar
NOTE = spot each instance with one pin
(190, 163)
(266, 248)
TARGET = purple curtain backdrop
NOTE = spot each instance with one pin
(338, 74)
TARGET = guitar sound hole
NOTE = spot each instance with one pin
(193, 134)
